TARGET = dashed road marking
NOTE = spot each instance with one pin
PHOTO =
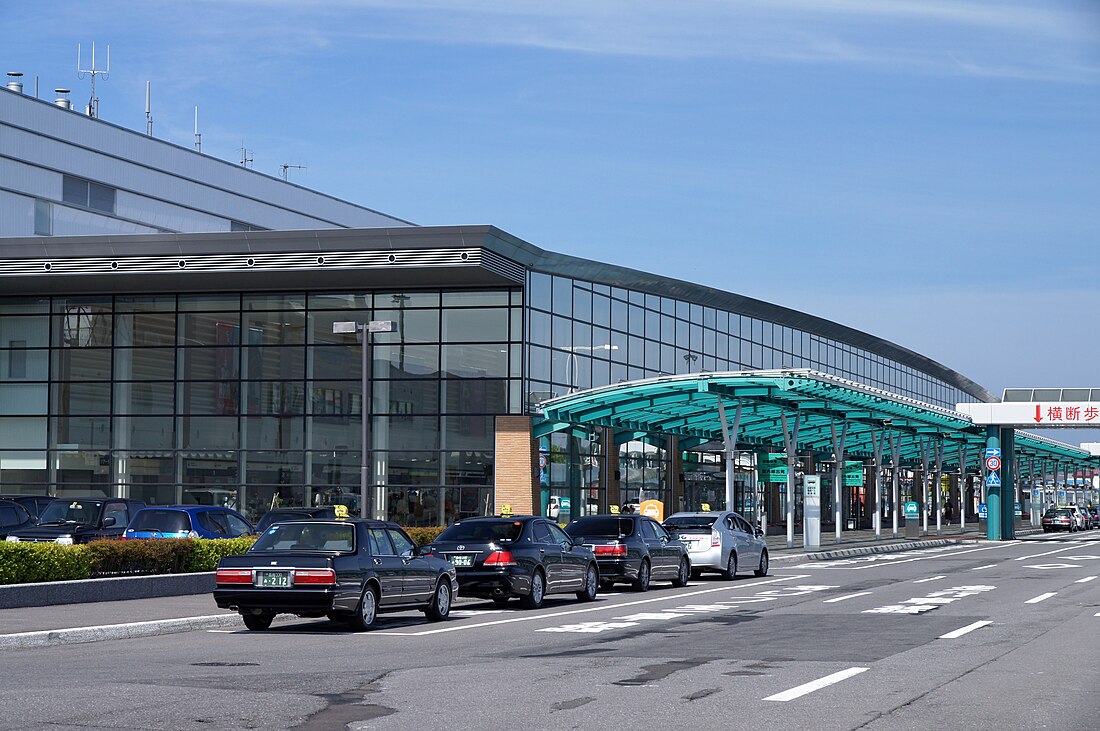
(1086, 579)
(930, 578)
(964, 630)
(849, 596)
(987, 566)
(805, 688)
(1041, 598)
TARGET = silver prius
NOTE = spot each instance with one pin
(721, 541)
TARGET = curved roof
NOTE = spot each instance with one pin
(824, 405)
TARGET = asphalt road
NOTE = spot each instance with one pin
(975, 636)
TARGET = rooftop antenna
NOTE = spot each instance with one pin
(93, 101)
(148, 108)
(246, 156)
(198, 137)
(286, 167)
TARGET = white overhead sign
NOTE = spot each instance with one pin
(1035, 413)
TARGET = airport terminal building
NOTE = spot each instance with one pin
(166, 334)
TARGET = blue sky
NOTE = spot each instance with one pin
(928, 171)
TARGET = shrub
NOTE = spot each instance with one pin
(424, 536)
(25, 563)
(205, 554)
(160, 556)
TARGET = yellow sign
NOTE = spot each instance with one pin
(341, 511)
(614, 509)
(506, 511)
(705, 507)
(653, 508)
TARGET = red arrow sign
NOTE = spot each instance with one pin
(1038, 415)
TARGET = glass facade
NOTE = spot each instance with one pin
(250, 400)
(583, 334)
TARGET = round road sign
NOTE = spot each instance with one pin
(993, 463)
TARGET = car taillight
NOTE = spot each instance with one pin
(314, 576)
(500, 558)
(715, 539)
(617, 549)
(233, 576)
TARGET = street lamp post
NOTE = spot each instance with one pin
(365, 330)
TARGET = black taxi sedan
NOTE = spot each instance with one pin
(346, 570)
(523, 556)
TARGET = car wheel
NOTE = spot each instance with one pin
(258, 621)
(533, 599)
(367, 612)
(642, 582)
(591, 585)
(683, 574)
(731, 567)
(441, 602)
(762, 570)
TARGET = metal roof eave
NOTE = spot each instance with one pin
(686, 405)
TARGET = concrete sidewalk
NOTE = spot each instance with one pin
(43, 626)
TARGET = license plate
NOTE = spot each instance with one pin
(274, 578)
(462, 559)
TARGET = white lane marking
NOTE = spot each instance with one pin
(223, 631)
(927, 554)
(598, 608)
(933, 600)
(1041, 598)
(1037, 555)
(987, 566)
(930, 578)
(801, 690)
(1047, 566)
(849, 596)
(964, 630)
(1082, 581)
(1097, 614)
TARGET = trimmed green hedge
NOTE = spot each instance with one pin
(26, 563)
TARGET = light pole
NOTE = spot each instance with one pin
(365, 330)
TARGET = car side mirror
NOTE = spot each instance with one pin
(109, 521)
(759, 532)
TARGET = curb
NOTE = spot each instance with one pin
(104, 590)
(49, 638)
(890, 548)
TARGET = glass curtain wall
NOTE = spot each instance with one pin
(250, 400)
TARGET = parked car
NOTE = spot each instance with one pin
(1058, 519)
(347, 570)
(523, 556)
(280, 514)
(79, 520)
(720, 541)
(187, 521)
(1095, 513)
(1084, 519)
(13, 516)
(34, 504)
(632, 548)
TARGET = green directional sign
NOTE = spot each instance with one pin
(772, 467)
(853, 474)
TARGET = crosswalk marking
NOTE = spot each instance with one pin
(805, 688)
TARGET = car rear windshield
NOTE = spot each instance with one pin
(163, 521)
(702, 522)
(1059, 512)
(600, 526)
(483, 531)
(303, 536)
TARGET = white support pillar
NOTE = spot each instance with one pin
(924, 484)
(729, 446)
(790, 443)
(895, 476)
(838, 473)
(937, 483)
(877, 440)
(964, 484)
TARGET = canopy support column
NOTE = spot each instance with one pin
(895, 463)
(838, 472)
(877, 439)
(937, 482)
(924, 485)
(964, 484)
(790, 443)
(729, 446)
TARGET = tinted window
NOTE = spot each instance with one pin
(380, 543)
(658, 530)
(9, 516)
(485, 531)
(213, 522)
(166, 521)
(558, 535)
(541, 533)
(601, 526)
(237, 526)
(689, 521)
(72, 511)
(400, 541)
(743, 525)
(119, 512)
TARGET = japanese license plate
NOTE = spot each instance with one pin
(273, 578)
(462, 559)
